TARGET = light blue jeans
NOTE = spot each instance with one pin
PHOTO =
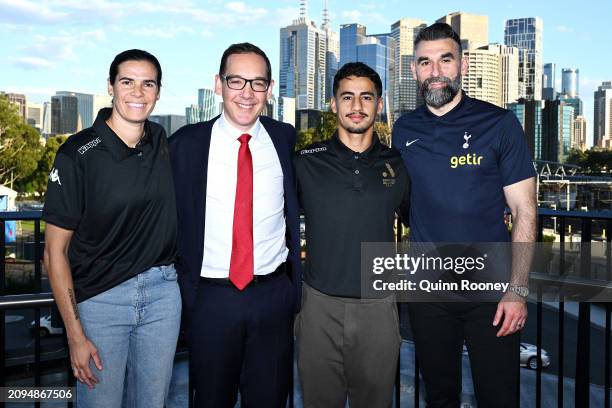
(135, 327)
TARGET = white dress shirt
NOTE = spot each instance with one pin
(269, 246)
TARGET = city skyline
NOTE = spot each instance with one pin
(63, 45)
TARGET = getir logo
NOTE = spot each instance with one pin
(469, 159)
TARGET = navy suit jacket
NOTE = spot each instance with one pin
(189, 148)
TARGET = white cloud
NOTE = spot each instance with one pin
(60, 47)
(28, 12)
(352, 16)
(237, 6)
(284, 16)
(563, 29)
(163, 32)
(33, 63)
(100, 12)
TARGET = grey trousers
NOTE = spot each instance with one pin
(347, 348)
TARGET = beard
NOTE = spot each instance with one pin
(358, 129)
(439, 97)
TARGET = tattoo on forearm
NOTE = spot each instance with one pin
(74, 304)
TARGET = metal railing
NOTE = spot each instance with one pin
(562, 219)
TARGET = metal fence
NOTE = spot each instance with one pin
(560, 222)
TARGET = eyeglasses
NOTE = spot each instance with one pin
(238, 83)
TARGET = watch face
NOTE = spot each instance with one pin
(521, 290)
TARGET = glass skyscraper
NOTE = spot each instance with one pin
(548, 81)
(526, 33)
(529, 114)
(569, 82)
(303, 56)
(376, 51)
(207, 104)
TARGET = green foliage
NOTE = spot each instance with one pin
(328, 125)
(384, 133)
(20, 147)
(326, 128)
(37, 181)
(592, 161)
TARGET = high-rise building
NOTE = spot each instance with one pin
(332, 54)
(207, 104)
(303, 56)
(88, 105)
(34, 114)
(529, 114)
(19, 100)
(557, 130)
(84, 107)
(575, 102)
(526, 34)
(548, 81)
(271, 110)
(483, 79)
(580, 133)
(46, 119)
(286, 110)
(192, 114)
(307, 118)
(569, 82)
(405, 93)
(170, 123)
(509, 60)
(473, 29)
(65, 117)
(100, 102)
(602, 115)
(376, 51)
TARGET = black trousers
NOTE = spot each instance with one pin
(242, 340)
(439, 330)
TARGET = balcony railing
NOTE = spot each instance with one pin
(571, 337)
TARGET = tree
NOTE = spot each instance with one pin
(304, 138)
(327, 126)
(592, 161)
(20, 147)
(383, 132)
(37, 181)
(324, 130)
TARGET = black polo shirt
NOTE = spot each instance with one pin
(459, 164)
(119, 201)
(348, 198)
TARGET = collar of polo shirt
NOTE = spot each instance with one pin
(345, 153)
(118, 149)
(453, 114)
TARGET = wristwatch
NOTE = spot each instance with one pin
(522, 291)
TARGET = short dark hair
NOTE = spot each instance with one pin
(358, 69)
(245, 48)
(133, 55)
(437, 31)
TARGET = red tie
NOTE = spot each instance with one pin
(241, 262)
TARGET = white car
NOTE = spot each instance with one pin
(529, 356)
(46, 328)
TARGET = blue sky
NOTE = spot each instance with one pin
(47, 46)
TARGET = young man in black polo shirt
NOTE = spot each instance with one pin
(350, 188)
(467, 160)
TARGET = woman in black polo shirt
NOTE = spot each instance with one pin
(110, 245)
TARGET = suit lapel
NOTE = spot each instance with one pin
(200, 207)
(281, 149)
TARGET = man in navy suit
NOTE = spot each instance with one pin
(238, 239)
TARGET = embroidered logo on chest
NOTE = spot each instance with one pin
(388, 176)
